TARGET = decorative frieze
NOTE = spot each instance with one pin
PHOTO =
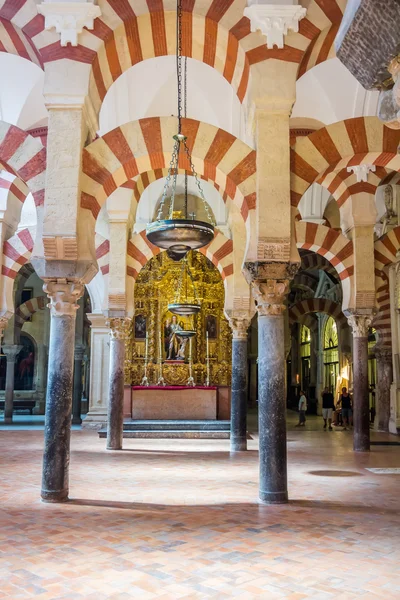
(60, 247)
(273, 249)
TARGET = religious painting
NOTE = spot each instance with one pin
(211, 327)
(140, 327)
(174, 344)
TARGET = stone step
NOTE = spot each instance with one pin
(175, 425)
(172, 434)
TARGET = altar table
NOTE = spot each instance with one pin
(174, 402)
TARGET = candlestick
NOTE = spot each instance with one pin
(145, 380)
(190, 381)
(161, 380)
(207, 360)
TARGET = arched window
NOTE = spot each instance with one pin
(331, 355)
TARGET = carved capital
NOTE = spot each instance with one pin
(69, 18)
(361, 171)
(270, 296)
(274, 19)
(11, 351)
(3, 325)
(119, 328)
(359, 323)
(63, 296)
(239, 323)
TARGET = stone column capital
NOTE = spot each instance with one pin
(359, 323)
(270, 284)
(11, 351)
(239, 323)
(119, 327)
(63, 296)
(69, 18)
(274, 19)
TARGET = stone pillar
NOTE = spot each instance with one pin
(115, 412)
(269, 295)
(239, 326)
(11, 351)
(63, 306)
(77, 396)
(359, 324)
(98, 376)
(384, 375)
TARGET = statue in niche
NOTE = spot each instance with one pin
(174, 344)
(389, 219)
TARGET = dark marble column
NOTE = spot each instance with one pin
(11, 351)
(360, 324)
(239, 325)
(271, 390)
(115, 411)
(77, 395)
(63, 306)
(384, 376)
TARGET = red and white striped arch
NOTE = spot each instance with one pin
(145, 145)
(320, 49)
(27, 309)
(16, 253)
(102, 247)
(25, 157)
(219, 252)
(386, 249)
(298, 311)
(324, 156)
(334, 247)
(14, 41)
(16, 189)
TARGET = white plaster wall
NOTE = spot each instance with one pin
(148, 89)
(28, 213)
(329, 93)
(21, 98)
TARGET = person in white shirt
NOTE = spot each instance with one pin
(302, 410)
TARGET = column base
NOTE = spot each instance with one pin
(238, 444)
(76, 421)
(274, 497)
(8, 420)
(119, 447)
(54, 497)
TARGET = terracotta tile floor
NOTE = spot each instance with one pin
(171, 519)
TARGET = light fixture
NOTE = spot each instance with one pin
(181, 305)
(179, 235)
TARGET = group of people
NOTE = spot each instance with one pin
(343, 409)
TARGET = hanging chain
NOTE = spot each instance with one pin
(178, 289)
(179, 60)
(206, 207)
(185, 269)
(173, 166)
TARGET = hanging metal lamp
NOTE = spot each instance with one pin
(178, 236)
(181, 306)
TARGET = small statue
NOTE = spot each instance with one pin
(175, 343)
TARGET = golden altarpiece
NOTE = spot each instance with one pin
(155, 288)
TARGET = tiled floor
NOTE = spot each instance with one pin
(171, 519)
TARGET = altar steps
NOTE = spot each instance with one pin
(174, 429)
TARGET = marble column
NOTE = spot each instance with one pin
(77, 394)
(11, 351)
(63, 306)
(359, 324)
(269, 296)
(384, 376)
(239, 390)
(115, 412)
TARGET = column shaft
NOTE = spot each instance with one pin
(77, 395)
(360, 394)
(9, 391)
(57, 431)
(384, 375)
(239, 395)
(115, 412)
(271, 409)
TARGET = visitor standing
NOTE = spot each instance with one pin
(345, 404)
(302, 410)
(328, 406)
